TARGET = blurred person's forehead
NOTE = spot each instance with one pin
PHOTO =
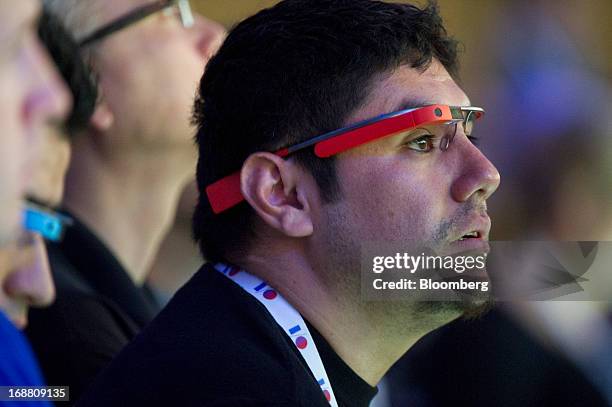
(17, 15)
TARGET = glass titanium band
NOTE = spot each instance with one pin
(46, 222)
(138, 14)
(389, 124)
(225, 193)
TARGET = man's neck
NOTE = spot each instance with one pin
(128, 200)
(369, 337)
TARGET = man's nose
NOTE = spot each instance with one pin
(209, 35)
(477, 175)
(30, 281)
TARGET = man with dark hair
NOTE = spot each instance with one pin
(321, 124)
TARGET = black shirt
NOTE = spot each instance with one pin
(216, 345)
(485, 362)
(97, 311)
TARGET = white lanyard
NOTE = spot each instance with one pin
(288, 318)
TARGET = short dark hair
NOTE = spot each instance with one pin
(80, 80)
(289, 73)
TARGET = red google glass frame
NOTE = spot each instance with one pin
(225, 193)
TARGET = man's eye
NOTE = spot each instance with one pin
(422, 144)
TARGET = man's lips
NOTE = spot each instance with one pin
(477, 229)
(473, 235)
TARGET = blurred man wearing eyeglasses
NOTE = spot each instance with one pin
(127, 170)
(32, 99)
(33, 102)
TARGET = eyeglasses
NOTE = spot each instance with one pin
(45, 221)
(225, 193)
(182, 6)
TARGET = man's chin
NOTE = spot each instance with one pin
(18, 316)
(476, 309)
(446, 311)
(438, 313)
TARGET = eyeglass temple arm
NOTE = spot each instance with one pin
(124, 21)
(225, 193)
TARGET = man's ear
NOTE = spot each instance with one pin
(272, 187)
(102, 117)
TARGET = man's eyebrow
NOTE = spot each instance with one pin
(411, 103)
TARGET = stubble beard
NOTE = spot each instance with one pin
(341, 269)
